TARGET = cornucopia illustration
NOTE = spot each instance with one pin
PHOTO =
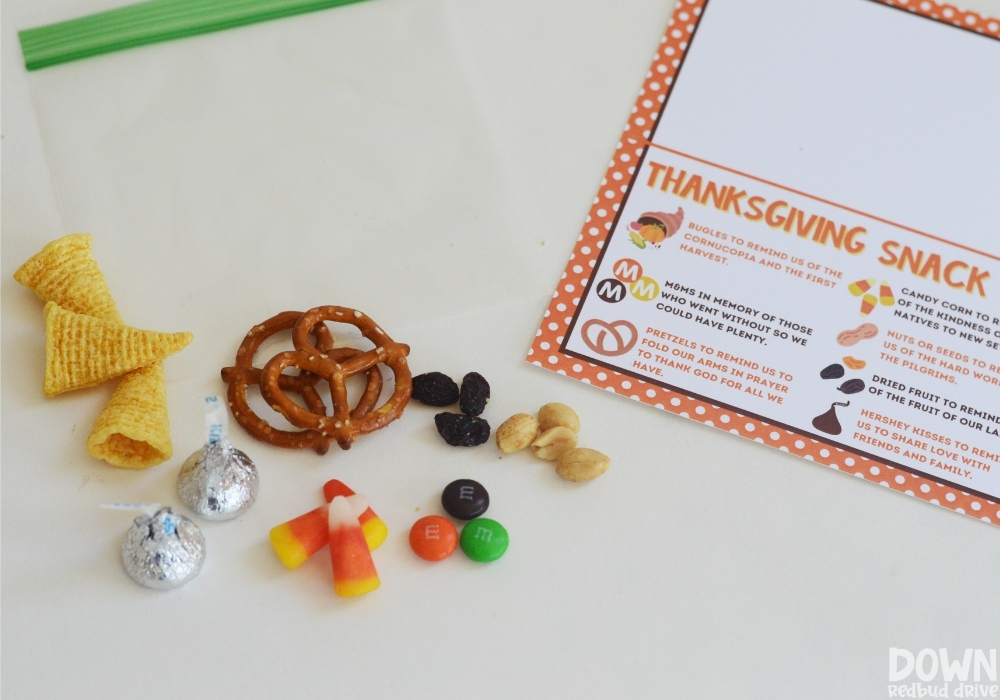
(654, 227)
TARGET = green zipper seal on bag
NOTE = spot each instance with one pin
(151, 22)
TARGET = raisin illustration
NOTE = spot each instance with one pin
(834, 371)
(852, 386)
(462, 431)
(435, 389)
(475, 393)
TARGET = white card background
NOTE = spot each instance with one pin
(873, 134)
(859, 103)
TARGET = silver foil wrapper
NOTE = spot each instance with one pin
(218, 482)
(163, 551)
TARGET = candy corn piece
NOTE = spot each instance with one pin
(353, 569)
(375, 530)
(298, 539)
(861, 286)
(885, 296)
(868, 302)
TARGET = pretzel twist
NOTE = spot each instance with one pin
(316, 362)
(244, 374)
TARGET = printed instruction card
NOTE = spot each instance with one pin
(797, 241)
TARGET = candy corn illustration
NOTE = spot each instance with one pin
(353, 569)
(868, 302)
(885, 295)
(374, 528)
(298, 539)
(865, 289)
(861, 286)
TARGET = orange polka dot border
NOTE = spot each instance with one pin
(544, 351)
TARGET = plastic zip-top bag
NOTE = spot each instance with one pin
(284, 161)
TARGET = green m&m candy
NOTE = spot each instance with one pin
(484, 540)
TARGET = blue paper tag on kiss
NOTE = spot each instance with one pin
(215, 420)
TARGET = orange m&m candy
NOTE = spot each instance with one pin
(433, 538)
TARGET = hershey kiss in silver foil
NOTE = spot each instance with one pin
(218, 482)
(162, 549)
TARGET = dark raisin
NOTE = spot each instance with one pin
(834, 371)
(475, 394)
(852, 386)
(435, 389)
(462, 431)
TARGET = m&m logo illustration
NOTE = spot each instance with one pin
(645, 289)
(611, 290)
(627, 270)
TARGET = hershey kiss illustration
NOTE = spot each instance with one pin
(827, 422)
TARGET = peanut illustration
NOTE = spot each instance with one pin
(862, 332)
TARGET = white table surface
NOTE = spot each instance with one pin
(701, 565)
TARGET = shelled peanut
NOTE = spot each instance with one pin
(552, 436)
(582, 464)
(553, 442)
(517, 432)
(552, 415)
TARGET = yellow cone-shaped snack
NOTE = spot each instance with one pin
(133, 430)
(65, 272)
(82, 351)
